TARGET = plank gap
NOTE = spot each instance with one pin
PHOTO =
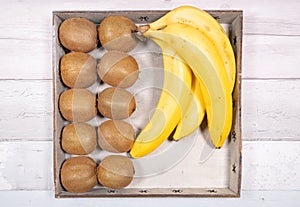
(279, 139)
(271, 34)
(25, 79)
(24, 139)
(270, 79)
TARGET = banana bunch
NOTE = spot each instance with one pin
(199, 77)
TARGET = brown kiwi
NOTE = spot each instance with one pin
(116, 103)
(116, 33)
(115, 136)
(78, 70)
(79, 138)
(78, 105)
(115, 171)
(78, 34)
(79, 174)
(118, 69)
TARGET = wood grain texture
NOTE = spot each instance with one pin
(26, 110)
(248, 199)
(271, 110)
(267, 165)
(271, 57)
(271, 165)
(25, 58)
(26, 165)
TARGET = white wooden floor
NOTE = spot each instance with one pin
(270, 101)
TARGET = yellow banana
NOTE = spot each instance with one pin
(207, 65)
(208, 26)
(194, 113)
(172, 102)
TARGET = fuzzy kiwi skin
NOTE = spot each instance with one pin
(79, 139)
(118, 69)
(117, 33)
(79, 174)
(115, 136)
(78, 34)
(116, 103)
(78, 70)
(115, 171)
(78, 105)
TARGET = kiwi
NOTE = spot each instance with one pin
(78, 105)
(116, 33)
(78, 34)
(115, 136)
(118, 69)
(78, 70)
(115, 171)
(79, 174)
(116, 103)
(79, 138)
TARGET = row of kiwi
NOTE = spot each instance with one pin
(81, 174)
(79, 105)
(79, 71)
(116, 68)
(113, 136)
(114, 32)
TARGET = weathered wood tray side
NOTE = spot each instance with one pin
(235, 21)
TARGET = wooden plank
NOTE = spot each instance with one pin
(271, 165)
(271, 57)
(248, 199)
(26, 165)
(267, 165)
(25, 59)
(26, 110)
(271, 110)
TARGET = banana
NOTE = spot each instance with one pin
(207, 65)
(194, 113)
(168, 112)
(208, 26)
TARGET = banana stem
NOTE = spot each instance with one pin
(143, 28)
(139, 33)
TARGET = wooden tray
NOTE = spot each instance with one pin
(201, 172)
